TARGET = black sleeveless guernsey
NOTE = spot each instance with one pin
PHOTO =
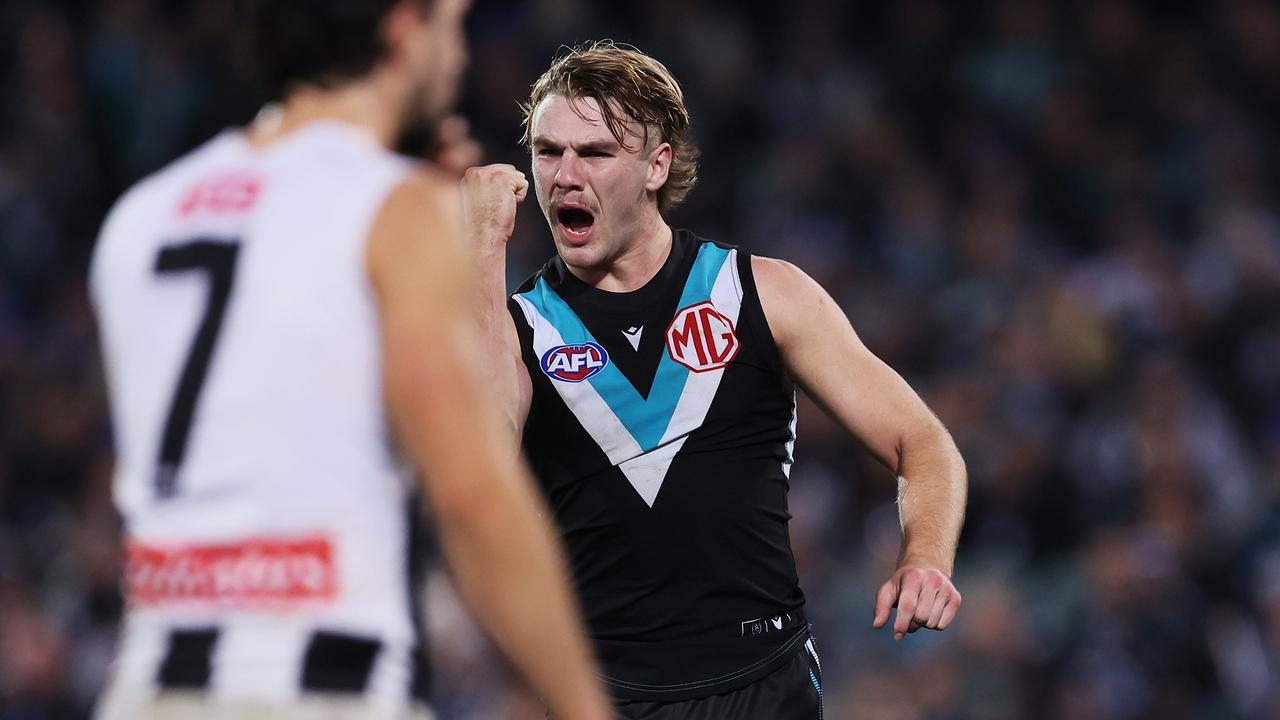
(661, 429)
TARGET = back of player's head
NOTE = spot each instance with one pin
(628, 86)
(322, 43)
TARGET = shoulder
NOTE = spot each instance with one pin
(165, 184)
(518, 301)
(421, 187)
(134, 217)
(417, 232)
(530, 282)
(695, 250)
(792, 301)
(681, 235)
(421, 203)
(782, 278)
(552, 273)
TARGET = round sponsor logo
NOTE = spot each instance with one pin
(574, 363)
(702, 338)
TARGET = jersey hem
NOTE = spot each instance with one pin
(727, 682)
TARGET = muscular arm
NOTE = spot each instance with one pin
(490, 196)
(502, 552)
(881, 410)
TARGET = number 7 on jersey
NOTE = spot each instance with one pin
(217, 258)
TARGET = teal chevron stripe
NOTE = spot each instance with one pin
(645, 419)
(702, 277)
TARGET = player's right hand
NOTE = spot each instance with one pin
(489, 197)
(924, 596)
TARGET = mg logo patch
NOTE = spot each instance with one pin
(701, 338)
(574, 363)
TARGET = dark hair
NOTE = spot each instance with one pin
(620, 77)
(324, 43)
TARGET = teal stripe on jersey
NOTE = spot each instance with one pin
(702, 277)
(646, 419)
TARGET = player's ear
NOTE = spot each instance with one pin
(659, 167)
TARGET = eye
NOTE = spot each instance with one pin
(548, 152)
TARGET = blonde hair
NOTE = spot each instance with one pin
(621, 78)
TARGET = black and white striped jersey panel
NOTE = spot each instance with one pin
(250, 661)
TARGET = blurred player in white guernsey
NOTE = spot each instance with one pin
(275, 307)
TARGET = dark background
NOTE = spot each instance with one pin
(1056, 219)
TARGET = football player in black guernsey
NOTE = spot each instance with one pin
(652, 374)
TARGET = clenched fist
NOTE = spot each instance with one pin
(489, 198)
(924, 596)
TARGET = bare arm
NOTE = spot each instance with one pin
(874, 403)
(490, 195)
(501, 550)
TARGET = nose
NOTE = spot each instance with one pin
(569, 171)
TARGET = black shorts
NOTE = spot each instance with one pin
(792, 692)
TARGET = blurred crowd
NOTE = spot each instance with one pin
(1059, 220)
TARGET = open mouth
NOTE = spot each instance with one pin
(575, 221)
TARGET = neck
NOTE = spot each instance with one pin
(643, 257)
(369, 104)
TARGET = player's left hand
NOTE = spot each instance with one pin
(924, 596)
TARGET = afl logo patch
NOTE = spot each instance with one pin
(701, 338)
(574, 363)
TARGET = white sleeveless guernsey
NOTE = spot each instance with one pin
(265, 513)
